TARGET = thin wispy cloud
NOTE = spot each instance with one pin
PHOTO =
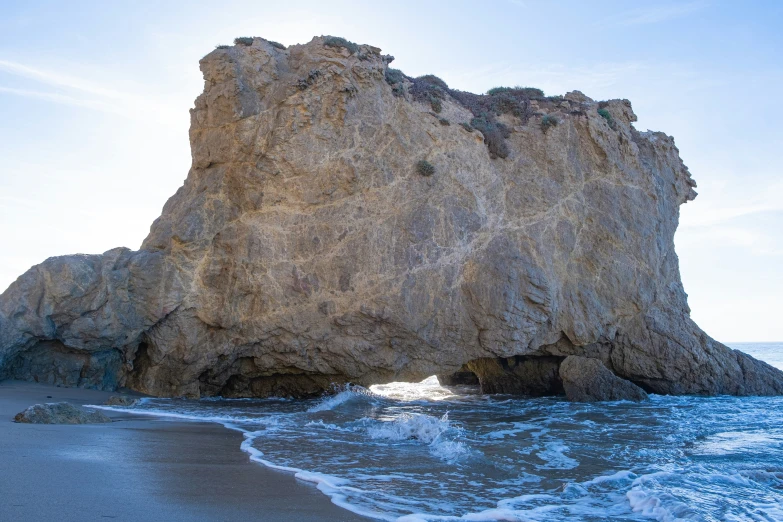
(59, 80)
(81, 92)
(715, 215)
(654, 15)
(731, 220)
(64, 99)
(8, 201)
(726, 206)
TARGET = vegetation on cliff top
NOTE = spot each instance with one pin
(336, 41)
(608, 117)
(247, 41)
(548, 121)
(485, 107)
(432, 90)
(429, 89)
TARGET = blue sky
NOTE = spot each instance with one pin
(94, 98)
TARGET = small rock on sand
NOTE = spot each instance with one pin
(60, 413)
(121, 400)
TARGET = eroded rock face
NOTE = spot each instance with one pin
(588, 380)
(60, 413)
(305, 249)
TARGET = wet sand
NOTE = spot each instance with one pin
(138, 469)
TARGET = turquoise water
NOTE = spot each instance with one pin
(419, 451)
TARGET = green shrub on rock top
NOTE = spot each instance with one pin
(498, 90)
(525, 92)
(431, 79)
(395, 78)
(548, 121)
(487, 108)
(608, 117)
(336, 41)
(425, 168)
(430, 88)
(248, 41)
(495, 134)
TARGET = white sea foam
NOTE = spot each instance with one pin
(728, 443)
(450, 450)
(555, 457)
(614, 477)
(336, 488)
(770, 478)
(649, 505)
(199, 417)
(328, 426)
(426, 429)
(650, 499)
(517, 428)
(407, 426)
(427, 390)
(509, 503)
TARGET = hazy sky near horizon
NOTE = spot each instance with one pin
(94, 98)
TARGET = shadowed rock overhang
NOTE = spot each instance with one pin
(342, 222)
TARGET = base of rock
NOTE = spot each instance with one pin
(534, 376)
(461, 378)
(588, 380)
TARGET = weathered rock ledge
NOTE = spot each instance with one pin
(306, 247)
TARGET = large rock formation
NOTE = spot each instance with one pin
(305, 247)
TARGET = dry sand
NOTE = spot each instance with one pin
(138, 469)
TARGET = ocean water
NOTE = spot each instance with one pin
(421, 452)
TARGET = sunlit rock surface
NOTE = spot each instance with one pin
(306, 249)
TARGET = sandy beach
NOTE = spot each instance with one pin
(138, 469)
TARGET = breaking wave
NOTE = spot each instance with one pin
(344, 394)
